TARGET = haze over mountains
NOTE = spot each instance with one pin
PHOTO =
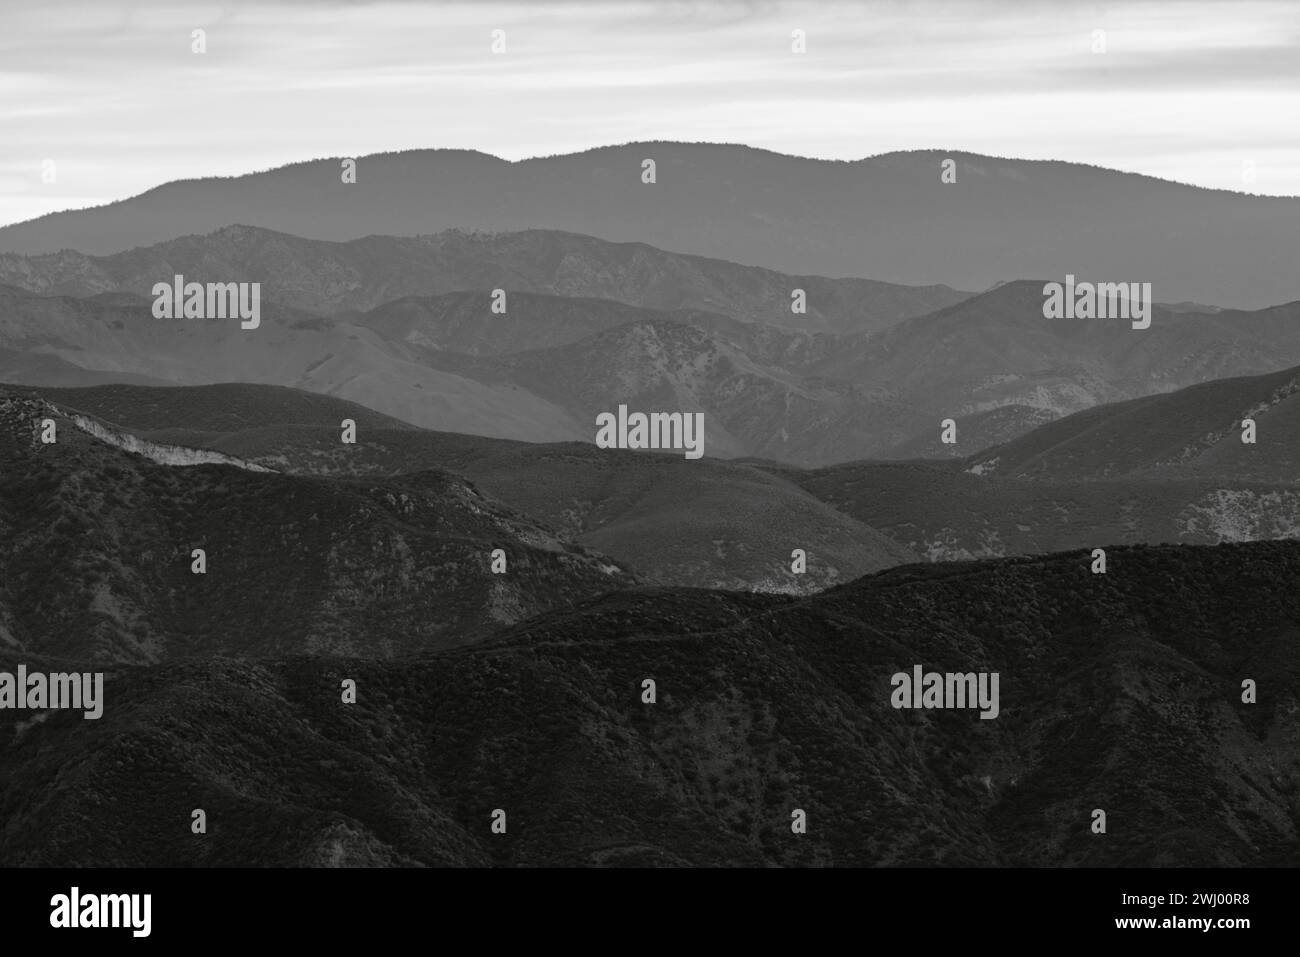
(873, 376)
(994, 355)
(337, 277)
(889, 217)
(769, 589)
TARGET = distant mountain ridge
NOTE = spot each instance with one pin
(996, 353)
(358, 275)
(890, 217)
(543, 371)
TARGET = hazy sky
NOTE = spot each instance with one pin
(112, 94)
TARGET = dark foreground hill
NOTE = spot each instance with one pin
(1120, 692)
(98, 532)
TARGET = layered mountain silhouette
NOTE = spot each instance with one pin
(669, 520)
(552, 363)
(638, 657)
(293, 348)
(1120, 691)
(340, 277)
(679, 522)
(995, 352)
(889, 217)
(1170, 468)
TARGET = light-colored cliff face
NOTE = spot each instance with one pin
(162, 454)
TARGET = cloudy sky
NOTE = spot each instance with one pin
(102, 99)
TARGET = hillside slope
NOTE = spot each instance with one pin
(96, 555)
(1195, 431)
(1119, 692)
(671, 520)
(996, 352)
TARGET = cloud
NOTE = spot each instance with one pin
(114, 92)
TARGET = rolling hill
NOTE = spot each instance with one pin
(996, 363)
(289, 348)
(734, 524)
(1120, 692)
(992, 363)
(673, 521)
(750, 408)
(1195, 431)
(944, 514)
(99, 531)
(1167, 468)
(753, 405)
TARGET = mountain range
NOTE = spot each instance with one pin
(345, 277)
(873, 376)
(669, 520)
(390, 486)
(673, 521)
(523, 692)
(1120, 692)
(890, 217)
